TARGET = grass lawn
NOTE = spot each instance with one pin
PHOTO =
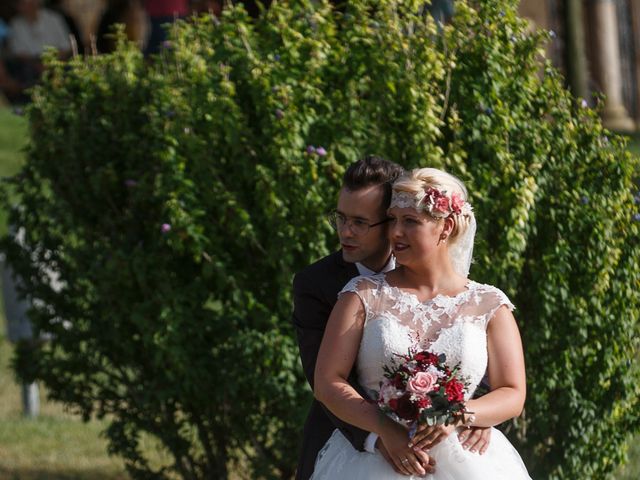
(634, 143)
(55, 446)
(58, 445)
(13, 137)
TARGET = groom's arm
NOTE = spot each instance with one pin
(310, 314)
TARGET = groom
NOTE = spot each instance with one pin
(361, 223)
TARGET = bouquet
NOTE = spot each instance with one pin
(423, 389)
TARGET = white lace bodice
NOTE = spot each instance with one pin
(396, 321)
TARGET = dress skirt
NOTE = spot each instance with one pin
(339, 460)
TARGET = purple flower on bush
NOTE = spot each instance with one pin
(18, 111)
(311, 149)
(276, 57)
(130, 183)
(321, 151)
(167, 44)
(584, 103)
(165, 228)
(636, 217)
(584, 200)
(279, 114)
(488, 111)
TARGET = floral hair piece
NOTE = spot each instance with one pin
(433, 201)
(440, 205)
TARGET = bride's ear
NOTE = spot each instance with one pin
(447, 227)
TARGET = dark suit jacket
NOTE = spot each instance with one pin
(315, 292)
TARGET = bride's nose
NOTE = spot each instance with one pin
(395, 230)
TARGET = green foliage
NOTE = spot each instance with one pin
(175, 200)
(13, 135)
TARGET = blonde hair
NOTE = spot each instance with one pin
(416, 182)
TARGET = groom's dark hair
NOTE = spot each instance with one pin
(370, 171)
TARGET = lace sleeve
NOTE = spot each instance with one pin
(365, 288)
(495, 299)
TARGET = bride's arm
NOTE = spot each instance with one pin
(506, 373)
(336, 358)
(337, 355)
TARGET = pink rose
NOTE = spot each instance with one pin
(422, 383)
(457, 202)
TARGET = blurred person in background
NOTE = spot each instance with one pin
(61, 8)
(131, 14)
(162, 12)
(32, 30)
(9, 87)
(206, 6)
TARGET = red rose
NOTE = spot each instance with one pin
(426, 357)
(423, 402)
(406, 409)
(420, 357)
(393, 404)
(455, 391)
(398, 381)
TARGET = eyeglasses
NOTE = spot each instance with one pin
(358, 226)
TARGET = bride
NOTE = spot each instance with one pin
(426, 303)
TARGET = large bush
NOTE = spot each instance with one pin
(175, 199)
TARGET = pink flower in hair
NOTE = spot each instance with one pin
(457, 202)
(441, 204)
(431, 195)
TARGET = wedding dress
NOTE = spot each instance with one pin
(454, 325)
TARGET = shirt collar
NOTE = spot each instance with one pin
(391, 264)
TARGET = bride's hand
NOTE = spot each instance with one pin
(475, 439)
(406, 460)
(427, 437)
